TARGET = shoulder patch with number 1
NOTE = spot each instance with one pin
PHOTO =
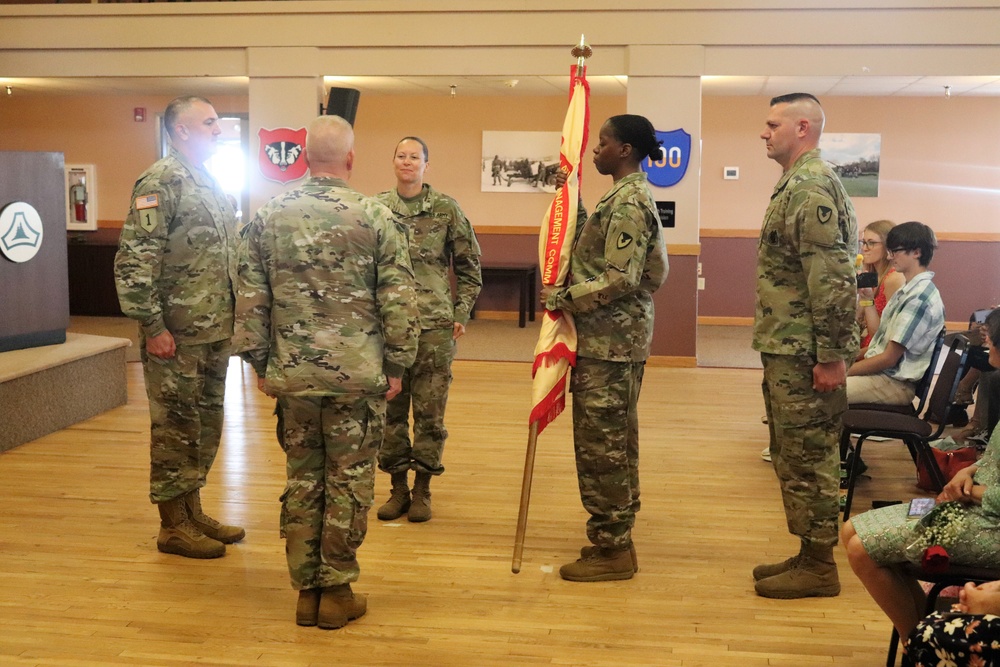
(148, 210)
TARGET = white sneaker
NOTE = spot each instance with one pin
(765, 454)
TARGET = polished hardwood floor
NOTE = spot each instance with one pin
(82, 584)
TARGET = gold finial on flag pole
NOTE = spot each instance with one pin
(581, 52)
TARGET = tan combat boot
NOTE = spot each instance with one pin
(307, 608)
(600, 565)
(338, 605)
(208, 525)
(420, 504)
(179, 536)
(399, 498)
(813, 575)
(773, 569)
(591, 550)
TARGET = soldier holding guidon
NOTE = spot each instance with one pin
(619, 259)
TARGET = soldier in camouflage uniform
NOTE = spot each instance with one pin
(326, 317)
(175, 272)
(440, 237)
(806, 332)
(619, 259)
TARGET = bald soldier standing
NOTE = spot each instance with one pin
(175, 272)
(328, 320)
(805, 330)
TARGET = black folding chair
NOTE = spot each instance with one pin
(920, 394)
(916, 432)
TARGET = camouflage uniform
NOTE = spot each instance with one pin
(619, 259)
(806, 292)
(440, 236)
(326, 312)
(175, 270)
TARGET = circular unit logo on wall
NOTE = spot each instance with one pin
(20, 232)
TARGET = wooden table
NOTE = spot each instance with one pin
(91, 259)
(524, 273)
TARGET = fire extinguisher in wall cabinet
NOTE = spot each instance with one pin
(78, 201)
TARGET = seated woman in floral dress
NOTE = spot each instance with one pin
(967, 637)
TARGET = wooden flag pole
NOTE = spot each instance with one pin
(581, 52)
(522, 514)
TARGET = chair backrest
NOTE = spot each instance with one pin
(924, 386)
(941, 399)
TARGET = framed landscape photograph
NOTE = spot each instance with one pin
(855, 157)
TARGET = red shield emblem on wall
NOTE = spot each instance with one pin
(282, 154)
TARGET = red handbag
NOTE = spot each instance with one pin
(949, 462)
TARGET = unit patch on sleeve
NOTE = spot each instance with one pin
(147, 209)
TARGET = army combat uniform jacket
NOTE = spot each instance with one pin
(175, 269)
(806, 282)
(326, 296)
(440, 236)
(619, 259)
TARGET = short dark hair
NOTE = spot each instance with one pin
(176, 107)
(913, 236)
(993, 327)
(637, 132)
(427, 153)
(793, 97)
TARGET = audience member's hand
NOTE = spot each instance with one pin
(866, 293)
(161, 345)
(959, 488)
(978, 335)
(982, 599)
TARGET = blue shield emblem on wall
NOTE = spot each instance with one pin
(673, 163)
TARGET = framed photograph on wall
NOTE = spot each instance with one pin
(81, 197)
(855, 157)
(519, 161)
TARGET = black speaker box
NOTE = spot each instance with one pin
(343, 102)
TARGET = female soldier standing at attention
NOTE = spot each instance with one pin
(441, 237)
(619, 259)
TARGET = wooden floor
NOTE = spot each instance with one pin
(81, 581)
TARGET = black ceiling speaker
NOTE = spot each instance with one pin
(343, 102)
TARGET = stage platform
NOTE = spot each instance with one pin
(44, 389)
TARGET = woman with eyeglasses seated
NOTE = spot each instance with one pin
(876, 541)
(875, 259)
